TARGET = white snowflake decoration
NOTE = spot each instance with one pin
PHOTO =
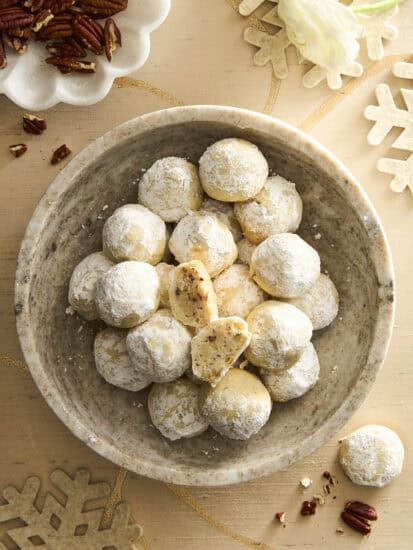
(376, 28)
(272, 47)
(387, 116)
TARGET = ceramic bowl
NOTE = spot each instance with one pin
(32, 84)
(339, 221)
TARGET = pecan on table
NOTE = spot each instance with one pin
(18, 150)
(60, 154)
(33, 124)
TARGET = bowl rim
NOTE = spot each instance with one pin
(378, 248)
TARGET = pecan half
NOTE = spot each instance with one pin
(90, 33)
(60, 154)
(3, 57)
(7, 3)
(18, 150)
(358, 524)
(361, 510)
(69, 64)
(33, 124)
(61, 26)
(104, 8)
(58, 6)
(42, 19)
(113, 38)
(19, 32)
(15, 43)
(68, 48)
(14, 17)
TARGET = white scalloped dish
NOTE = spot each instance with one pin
(32, 84)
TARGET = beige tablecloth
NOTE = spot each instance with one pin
(198, 56)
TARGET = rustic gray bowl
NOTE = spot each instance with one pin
(66, 226)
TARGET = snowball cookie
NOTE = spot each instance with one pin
(238, 406)
(160, 348)
(236, 292)
(320, 303)
(280, 334)
(217, 346)
(113, 362)
(192, 296)
(171, 188)
(233, 170)
(224, 211)
(128, 294)
(297, 380)
(134, 233)
(165, 273)
(201, 236)
(174, 409)
(372, 455)
(277, 208)
(245, 251)
(285, 266)
(82, 286)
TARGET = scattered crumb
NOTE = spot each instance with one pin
(105, 207)
(80, 328)
(69, 311)
(326, 271)
(308, 507)
(280, 516)
(306, 482)
(317, 237)
(332, 245)
(340, 318)
(334, 497)
(319, 499)
(326, 489)
(243, 364)
(216, 449)
(340, 530)
(315, 225)
(99, 217)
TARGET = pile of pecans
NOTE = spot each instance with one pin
(70, 28)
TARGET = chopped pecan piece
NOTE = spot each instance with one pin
(41, 20)
(15, 43)
(33, 124)
(18, 150)
(113, 38)
(3, 57)
(69, 64)
(14, 17)
(68, 48)
(90, 33)
(103, 8)
(60, 154)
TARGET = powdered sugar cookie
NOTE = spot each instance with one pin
(297, 380)
(165, 274)
(192, 296)
(280, 334)
(113, 362)
(174, 409)
(277, 208)
(217, 346)
(203, 237)
(237, 294)
(171, 188)
(160, 348)
(128, 294)
(134, 233)
(320, 303)
(238, 406)
(245, 251)
(82, 286)
(224, 211)
(285, 266)
(233, 170)
(372, 455)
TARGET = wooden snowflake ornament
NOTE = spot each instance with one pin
(68, 526)
(387, 116)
